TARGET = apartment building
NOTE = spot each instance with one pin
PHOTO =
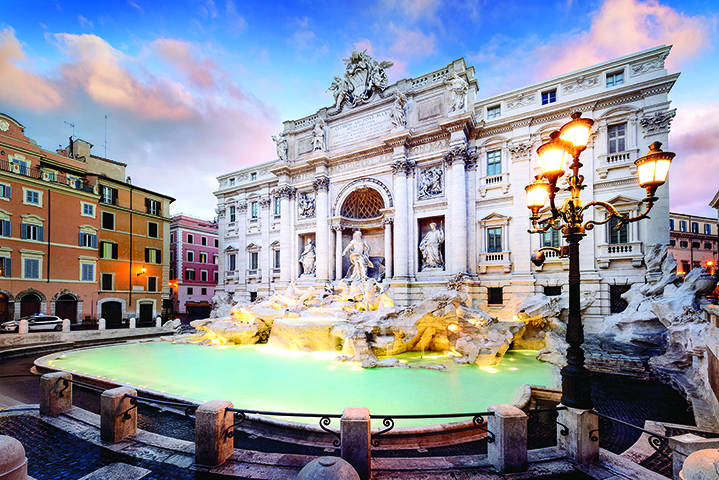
(693, 242)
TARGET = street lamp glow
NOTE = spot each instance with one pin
(551, 157)
(537, 194)
(577, 131)
(653, 168)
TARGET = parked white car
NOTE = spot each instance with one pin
(34, 323)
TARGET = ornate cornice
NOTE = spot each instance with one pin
(658, 122)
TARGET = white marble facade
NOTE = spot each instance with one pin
(389, 165)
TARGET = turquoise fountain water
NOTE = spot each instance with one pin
(262, 378)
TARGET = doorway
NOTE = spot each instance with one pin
(112, 313)
(29, 305)
(3, 308)
(145, 313)
(66, 307)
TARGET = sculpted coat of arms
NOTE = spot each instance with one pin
(364, 77)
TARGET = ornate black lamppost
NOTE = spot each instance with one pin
(572, 139)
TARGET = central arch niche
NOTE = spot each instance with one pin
(363, 203)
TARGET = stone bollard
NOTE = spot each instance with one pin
(328, 468)
(701, 465)
(212, 444)
(577, 445)
(114, 407)
(684, 445)
(158, 322)
(355, 437)
(66, 325)
(55, 395)
(22, 326)
(101, 324)
(508, 452)
(13, 463)
(133, 322)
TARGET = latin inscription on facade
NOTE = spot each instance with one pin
(363, 127)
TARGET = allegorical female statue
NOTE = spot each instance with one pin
(429, 246)
(308, 258)
(359, 257)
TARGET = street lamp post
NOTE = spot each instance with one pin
(572, 139)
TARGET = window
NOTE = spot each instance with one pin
(277, 259)
(203, 257)
(152, 230)
(549, 97)
(494, 240)
(88, 272)
(203, 275)
(672, 243)
(22, 164)
(32, 232)
(493, 112)
(707, 229)
(254, 260)
(190, 256)
(232, 182)
(617, 138)
(106, 281)
(494, 296)
(203, 240)
(695, 244)
(190, 291)
(614, 79)
(6, 265)
(695, 227)
(215, 259)
(254, 210)
(108, 221)
(685, 267)
(253, 176)
(682, 225)
(494, 163)
(32, 197)
(189, 274)
(616, 303)
(108, 250)
(696, 265)
(617, 236)
(172, 274)
(151, 284)
(553, 291)
(217, 276)
(108, 195)
(88, 240)
(153, 255)
(88, 210)
(707, 246)
(216, 243)
(671, 224)
(551, 238)
(684, 244)
(232, 214)
(5, 191)
(253, 296)
(190, 238)
(31, 268)
(172, 238)
(232, 262)
(5, 231)
(278, 204)
(172, 256)
(153, 206)
(203, 291)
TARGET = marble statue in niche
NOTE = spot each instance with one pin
(318, 137)
(281, 144)
(457, 88)
(398, 114)
(430, 182)
(308, 258)
(358, 251)
(430, 248)
(306, 205)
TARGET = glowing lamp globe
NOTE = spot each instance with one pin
(653, 168)
(537, 194)
(577, 131)
(551, 157)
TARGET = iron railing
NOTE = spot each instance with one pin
(477, 419)
(325, 420)
(659, 442)
(188, 408)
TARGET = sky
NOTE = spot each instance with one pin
(193, 89)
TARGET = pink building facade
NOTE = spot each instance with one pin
(193, 266)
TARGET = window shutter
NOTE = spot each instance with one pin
(34, 266)
(159, 256)
(8, 191)
(80, 240)
(93, 241)
(23, 230)
(40, 234)
(6, 228)
(114, 251)
(147, 255)
(147, 205)
(7, 270)
(114, 196)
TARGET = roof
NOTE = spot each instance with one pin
(135, 187)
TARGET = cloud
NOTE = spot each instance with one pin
(410, 43)
(84, 22)
(199, 73)
(693, 138)
(234, 19)
(135, 5)
(413, 10)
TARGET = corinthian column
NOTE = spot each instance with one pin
(387, 225)
(456, 160)
(322, 228)
(338, 251)
(403, 168)
(285, 193)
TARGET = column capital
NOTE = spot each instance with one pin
(461, 153)
(242, 207)
(403, 167)
(321, 183)
(285, 191)
(265, 202)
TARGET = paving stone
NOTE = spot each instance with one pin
(118, 471)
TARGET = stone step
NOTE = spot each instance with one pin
(635, 367)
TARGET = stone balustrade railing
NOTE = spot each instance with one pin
(620, 251)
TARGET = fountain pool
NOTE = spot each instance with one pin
(260, 377)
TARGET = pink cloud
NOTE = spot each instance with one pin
(19, 85)
(411, 43)
(199, 73)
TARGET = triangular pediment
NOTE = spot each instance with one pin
(495, 216)
(623, 200)
(253, 246)
(231, 248)
(276, 243)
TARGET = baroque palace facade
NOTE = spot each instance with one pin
(432, 176)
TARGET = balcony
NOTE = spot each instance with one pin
(495, 259)
(494, 181)
(552, 258)
(617, 160)
(620, 251)
(47, 176)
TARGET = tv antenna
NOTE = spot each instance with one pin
(105, 136)
(73, 128)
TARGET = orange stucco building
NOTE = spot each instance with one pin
(55, 249)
